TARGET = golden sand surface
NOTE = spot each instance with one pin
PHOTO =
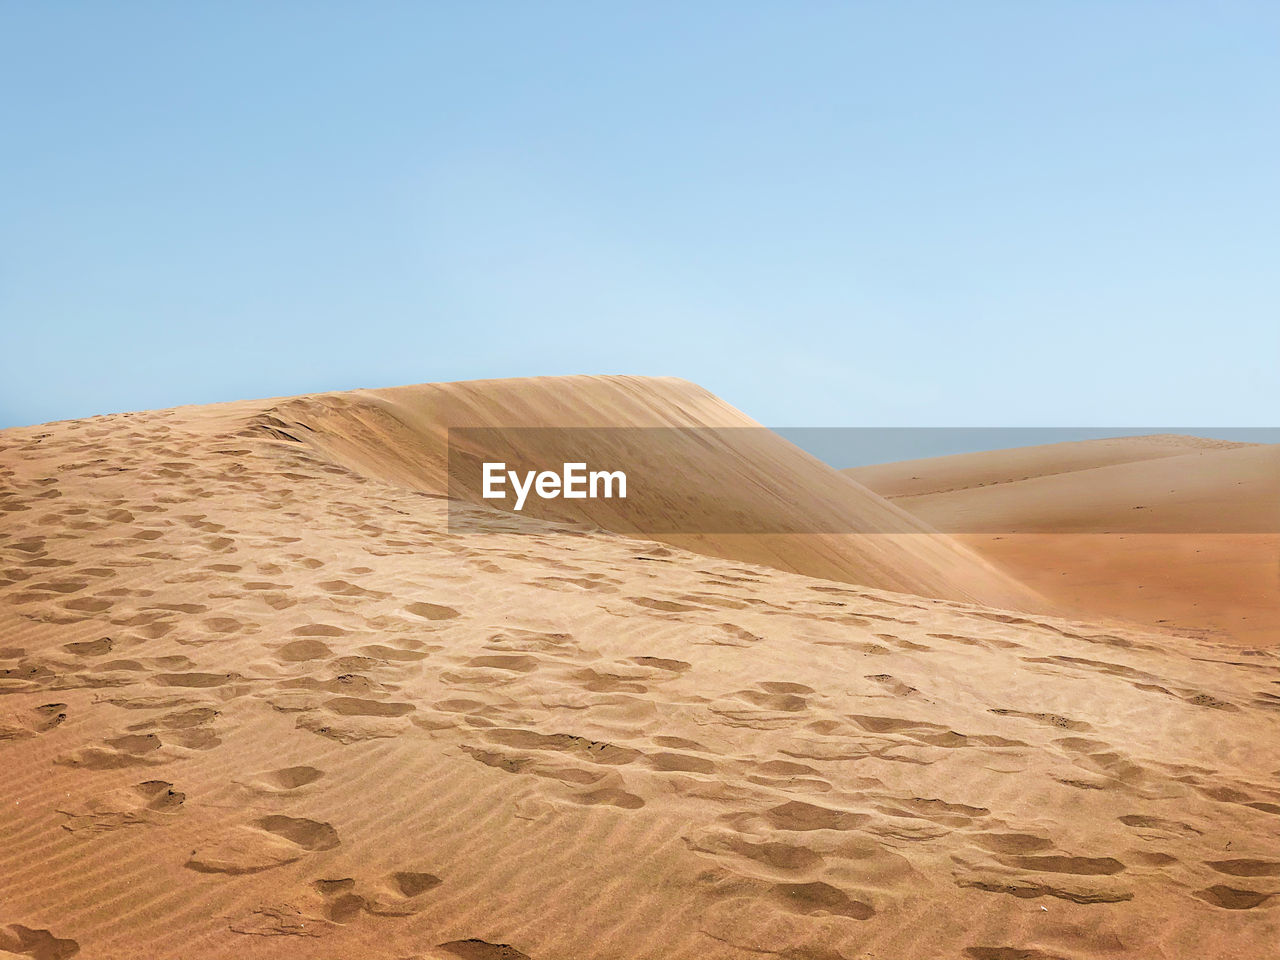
(258, 701)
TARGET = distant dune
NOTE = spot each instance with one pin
(966, 471)
(399, 435)
(1173, 531)
(259, 700)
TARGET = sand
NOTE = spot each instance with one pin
(720, 463)
(259, 702)
(1180, 533)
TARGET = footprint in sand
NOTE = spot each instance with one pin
(665, 606)
(19, 941)
(591, 750)
(300, 651)
(398, 894)
(1078, 866)
(319, 630)
(594, 681)
(896, 687)
(352, 719)
(1026, 889)
(344, 588)
(771, 705)
(150, 802)
(286, 780)
(482, 950)
(663, 664)
(191, 728)
(1013, 843)
(796, 815)
(669, 762)
(939, 812)
(1049, 719)
(1232, 898)
(89, 648)
(764, 859)
(268, 842)
(821, 899)
(131, 750)
(59, 586)
(358, 707)
(195, 680)
(1246, 868)
(788, 775)
(386, 654)
(730, 635)
(514, 663)
(31, 723)
(229, 625)
(432, 611)
(545, 755)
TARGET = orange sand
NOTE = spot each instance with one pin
(1194, 545)
(257, 702)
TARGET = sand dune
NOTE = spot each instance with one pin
(258, 704)
(698, 482)
(1179, 532)
(936, 476)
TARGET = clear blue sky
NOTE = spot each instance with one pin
(950, 213)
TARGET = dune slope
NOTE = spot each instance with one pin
(1177, 532)
(722, 466)
(254, 704)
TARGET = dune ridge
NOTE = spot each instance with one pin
(256, 704)
(933, 476)
(400, 435)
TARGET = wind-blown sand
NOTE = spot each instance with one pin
(257, 703)
(733, 466)
(1176, 532)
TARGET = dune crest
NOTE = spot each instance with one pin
(399, 435)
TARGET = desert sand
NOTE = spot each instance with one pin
(259, 700)
(732, 466)
(1180, 533)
